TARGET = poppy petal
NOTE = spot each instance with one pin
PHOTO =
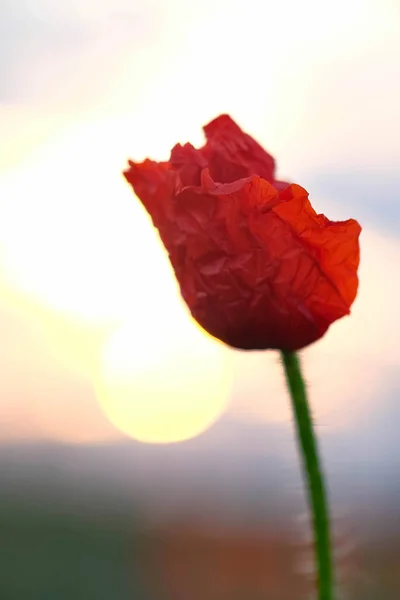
(154, 184)
(257, 266)
(233, 154)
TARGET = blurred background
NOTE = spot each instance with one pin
(140, 459)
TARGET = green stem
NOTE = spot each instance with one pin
(312, 470)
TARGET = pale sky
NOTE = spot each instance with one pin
(95, 340)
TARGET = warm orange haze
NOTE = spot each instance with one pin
(84, 269)
(174, 422)
(83, 258)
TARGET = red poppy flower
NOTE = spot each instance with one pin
(257, 267)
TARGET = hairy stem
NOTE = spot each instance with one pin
(313, 474)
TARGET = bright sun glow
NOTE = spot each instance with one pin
(84, 247)
(80, 243)
(162, 379)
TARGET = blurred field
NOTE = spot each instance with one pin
(50, 553)
(185, 522)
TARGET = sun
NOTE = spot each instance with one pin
(163, 380)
